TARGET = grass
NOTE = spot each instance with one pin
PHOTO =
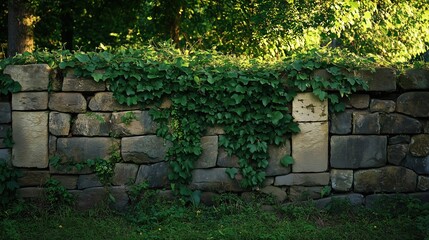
(229, 218)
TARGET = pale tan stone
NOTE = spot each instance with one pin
(34, 77)
(306, 107)
(341, 179)
(30, 101)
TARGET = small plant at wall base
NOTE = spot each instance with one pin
(8, 182)
(57, 195)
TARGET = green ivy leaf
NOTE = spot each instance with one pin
(276, 117)
(97, 76)
(286, 161)
(231, 172)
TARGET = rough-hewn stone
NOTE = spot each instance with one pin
(341, 179)
(300, 193)
(72, 83)
(359, 101)
(396, 153)
(423, 183)
(419, 146)
(91, 197)
(59, 123)
(385, 179)
(341, 123)
(358, 151)
(383, 79)
(88, 181)
(52, 144)
(276, 154)
(140, 123)
(216, 130)
(420, 165)
(308, 108)
(144, 149)
(310, 148)
(278, 194)
(214, 180)
(366, 123)
(30, 134)
(5, 112)
(414, 79)
(30, 192)
(68, 181)
(67, 102)
(33, 178)
(399, 139)
(4, 129)
(156, 174)
(125, 173)
(399, 124)
(5, 154)
(93, 124)
(208, 157)
(223, 160)
(354, 199)
(30, 101)
(414, 104)
(302, 179)
(34, 77)
(104, 101)
(378, 105)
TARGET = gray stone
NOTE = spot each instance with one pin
(359, 101)
(213, 180)
(59, 123)
(385, 179)
(276, 192)
(52, 144)
(422, 196)
(414, 79)
(34, 77)
(67, 102)
(68, 181)
(156, 174)
(216, 130)
(426, 127)
(5, 154)
(399, 124)
(30, 192)
(306, 107)
(386, 106)
(144, 149)
(423, 183)
(300, 193)
(383, 79)
(310, 147)
(104, 101)
(302, 179)
(125, 173)
(377, 200)
(420, 165)
(354, 152)
(419, 146)
(30, 134)
(366, 123)
(88, 181)
(399, 139)
(268, 181)
(414, 104)
(30, 101)
(4, 129)
(341, 122)
(354, 199)
(72, 83)
(2, 143)
(223, 160)
(140, 123)
(92, 124)
(208, 157)
(32, 178)
(56, 80)
(341, 180)
(276, 153)
(396, 153)
(5, 112)
(91, 197)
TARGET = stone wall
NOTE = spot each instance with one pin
(380, 144)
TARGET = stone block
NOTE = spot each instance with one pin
(91, 197)
(30, 101)
(59, 123)
(125, 173)
(383, 79)
(306, 107)
(302, 179)
(414, 79)
(359, 101)
(5, 154)
(5, 112)
(341, 179)
(30, 134)
(396, 153)
(32, 178)
(67, 102)
(354, 199)
(366, 123)
(68, 181)
(377, 200)
(352, 152)
(278, 193)
(223, 160)
(208, 157)
(386, 106)
(276, 154)
(144, 149)
(420, 165)
(92, 124)
(104, 102)
(399, 139)
(310, 147)
(52, 144)
(34, 77)
(399, 124)
(56, 80)
(385, 179)
(216, 130)
(4, 129)
(213, 180)
(301, 193)
(132, 123)
(30, 192)
(413, 103)
(419, 146)
(156, 174)
(423, 183)
(341, 122)
(72, 83)
(88, 181)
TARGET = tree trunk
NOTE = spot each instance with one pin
(67, 24)
(20, 27)
(175, 20)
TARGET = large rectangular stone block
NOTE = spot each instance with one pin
(80, 149)
(30, 133)
(67, 102)
(306, 107)
(5, 112)
(92, 124)
(72, 83)
(144, 149)
(302, 179)
(34, 77)
(208, 157)
(214, 179)
(310, 147)
(30, 101)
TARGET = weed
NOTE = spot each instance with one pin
(57, 195)
(8, 182)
